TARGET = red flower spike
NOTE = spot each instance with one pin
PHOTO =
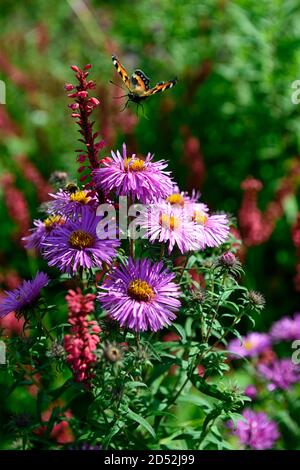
(69, 87)
(84, 106)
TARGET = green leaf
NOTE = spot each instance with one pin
(181, 331)
(195, 400)
(289, 422)
(139, 419)
(136, 385)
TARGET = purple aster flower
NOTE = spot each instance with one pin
(70, 204)
(139, 179)
(286, 329)
(166, 223)
(252, 345)
(76, 244)
(251, 391)
(256, 431)
(42, 230)
(141, 295)
(281, 374)
(24, 296)
(213, 229)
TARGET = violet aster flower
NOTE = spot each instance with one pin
(139, 179)
(76, 244)
(70, 204)
(281, 374)
(165, 223)
(256, 431)
(286, 329)
(24, 296)
(42, 230)
(252, 345)
(141, 295)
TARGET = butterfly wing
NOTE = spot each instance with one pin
(121, 71)
(140, 82)
(161, 86)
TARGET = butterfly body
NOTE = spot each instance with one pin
(138, 84)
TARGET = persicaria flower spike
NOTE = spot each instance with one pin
(82, 341)
(82, 108)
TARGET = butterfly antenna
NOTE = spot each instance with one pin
(119, 86)
(123, 109)
(117, 97)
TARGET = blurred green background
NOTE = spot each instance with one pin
(230, 115)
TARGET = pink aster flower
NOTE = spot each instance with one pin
(141, 295)
(23, 297)
(166, 223)
(41, 230)
(286, 329)
(213, 229)
(256, 430)
(76, 244)
(142, 180)
(182, 198)
(281, 374)
(71, 203)
(251, 345)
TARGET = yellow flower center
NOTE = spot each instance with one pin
(80, 239)
(200, 217)
(248, 345)
(176, 199)
(52, 220)
(169, 221)
(134, 164)
(80, 196)
(140, 290)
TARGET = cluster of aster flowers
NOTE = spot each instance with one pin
(271, 374)
(82, 341)
(68, 238)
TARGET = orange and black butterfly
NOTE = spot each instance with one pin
(138, 84)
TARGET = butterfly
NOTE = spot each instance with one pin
(138, 84)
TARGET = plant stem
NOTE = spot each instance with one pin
(184, 267)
